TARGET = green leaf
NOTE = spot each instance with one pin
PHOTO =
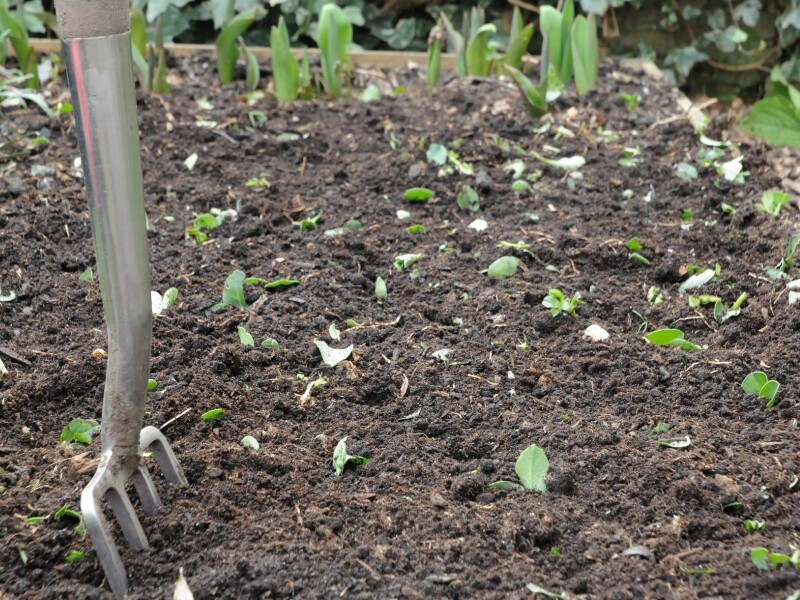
(477, 56)
(759, 557)
(244, 337)
(280, 283)
(80, 431)
(380, 288)
(406, 260)
(518, 45)
(227, 49)
(775, 120)
(152, 385)
(510, 486)
(535, 102)
(769, 392)
(686, 171)
(664, 337)
(285, 70)
(75, 556)
(437, 155)
(334, 36)
(333, 356)
(233, 290)
(585, 53)
(341, 458)
(504, 267)
(468, 199)
(87, 277)
(213, 414)
(531, 468)
(418, 194)
(416, 229)
(249, 441)
(754, 382)
(569, 164)
(772, 201)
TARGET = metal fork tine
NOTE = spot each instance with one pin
(146, 489)
(151, 437)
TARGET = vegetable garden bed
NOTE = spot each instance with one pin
(661, 465)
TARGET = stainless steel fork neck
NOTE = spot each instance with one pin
(101, 78)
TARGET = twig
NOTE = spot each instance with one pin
(173, 419)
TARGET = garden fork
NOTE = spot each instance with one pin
(96, 39)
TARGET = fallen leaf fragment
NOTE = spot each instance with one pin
(182, 591)
(596, 333)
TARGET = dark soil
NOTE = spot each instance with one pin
(623, 518)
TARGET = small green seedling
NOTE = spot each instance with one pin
(787, 262)
(519, 39)
(333, 356)
(568, 164)
(759, 384)
(686, 171)
(556, 303)
(380, 288)
(67, 512)
(671, 337)
(752, 526)
(232, 292)
(535, 589)
(660, 428)
(531, 468)
(418, 194)
(341, 458)
(161, 303)
(212, 415)
(436, 42)
(722, 314)
(772, 201)
(152, 385)
(311, 385)
(504, 267)
(634, 246)
(309, 223)
(87, 276)
(80, 431)
(629, 157)
(632, 101)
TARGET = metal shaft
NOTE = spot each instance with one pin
(101, 79)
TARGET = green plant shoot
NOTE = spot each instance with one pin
(285, 69)
(334, 38)
(227, 41)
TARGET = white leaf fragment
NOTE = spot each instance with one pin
(596, 333)
(479, 225)
(182, 591)
(333, 356)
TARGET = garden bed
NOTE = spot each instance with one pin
(624, 517)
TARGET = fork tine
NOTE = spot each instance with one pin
(151, 437)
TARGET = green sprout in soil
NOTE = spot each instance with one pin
(763, 559)
(531, 468)
(632, 101)
(341, 458)
(380, 288)
(787, 262)
(244, 337)
(15, 31)
(67, 512)
(634, 246)
(213, 415)
(722, 313)
(80, 431)
(660, 428)
(568, 164)
(416, 229)
(311, 385)
(161, 303)
(655, 296)
(86, 277)
(436, 42)
(333, 356)
(762, 386)
(629, 157)
(752, 526)
(677, 443)
(772, 201)
(152, 385)
(671, 337)
(686, 171)
(557, 304)
(535, 589)
(309, 223)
